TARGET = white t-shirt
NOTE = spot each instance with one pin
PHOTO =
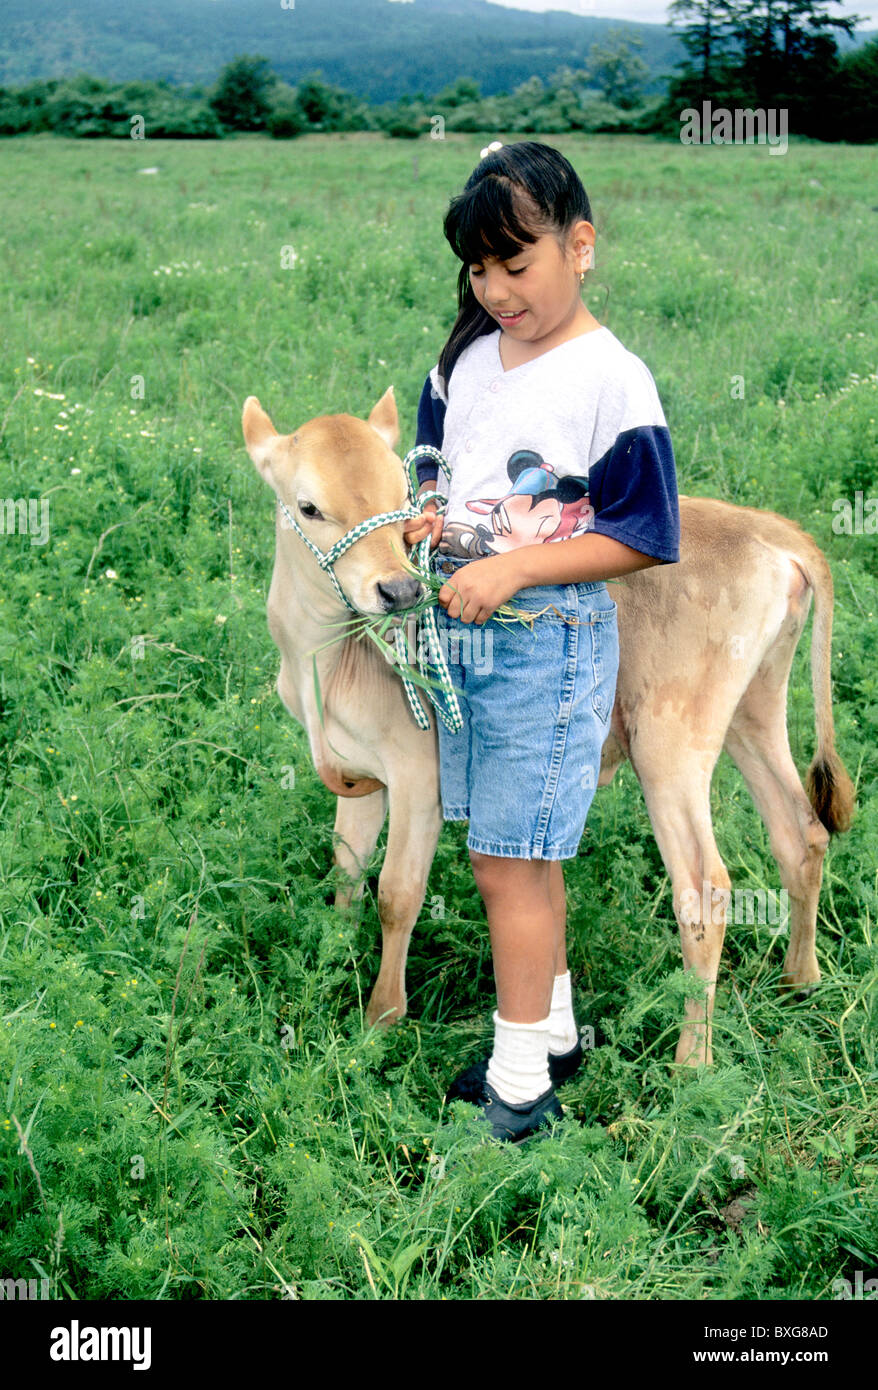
(570, 441)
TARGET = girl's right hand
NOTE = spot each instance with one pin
(429, 523)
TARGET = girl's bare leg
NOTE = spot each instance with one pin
(524, 901)
(558, 895)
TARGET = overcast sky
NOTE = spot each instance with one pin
(656, 11)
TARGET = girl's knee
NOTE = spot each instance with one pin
(494, 872)
(482, 865)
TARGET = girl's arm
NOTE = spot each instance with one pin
(578, 560)
(480, 587)
(429, 523)
(431, 419)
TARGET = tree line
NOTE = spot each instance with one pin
(739, 54)
(780, 54)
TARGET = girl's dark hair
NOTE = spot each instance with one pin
(514, 195)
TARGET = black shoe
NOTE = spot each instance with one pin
(515, 1123)
(468, 1086)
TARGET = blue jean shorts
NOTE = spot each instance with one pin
(536, 703)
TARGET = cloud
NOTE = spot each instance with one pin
(656, 11)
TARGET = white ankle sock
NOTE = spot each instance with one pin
(518, 1068)
(563, 1033)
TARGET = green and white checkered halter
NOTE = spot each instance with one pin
(431, 659)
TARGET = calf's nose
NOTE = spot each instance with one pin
(400, 593)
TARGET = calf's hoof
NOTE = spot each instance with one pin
(381, 1013)
(800, 979)
(794, 990)
(693, 1051)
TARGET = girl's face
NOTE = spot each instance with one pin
(536, 292)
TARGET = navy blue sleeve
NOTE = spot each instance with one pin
(431, 428)
(633, 490)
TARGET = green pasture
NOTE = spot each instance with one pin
(190, 1105)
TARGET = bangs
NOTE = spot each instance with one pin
(486, 222)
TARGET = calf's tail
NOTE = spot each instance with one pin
(828, 785)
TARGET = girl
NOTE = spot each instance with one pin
(563, 476)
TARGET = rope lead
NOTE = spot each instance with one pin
(429, 656)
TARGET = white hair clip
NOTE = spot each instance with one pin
(489, 149)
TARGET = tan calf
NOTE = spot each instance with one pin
(371, 754)
(706, 648)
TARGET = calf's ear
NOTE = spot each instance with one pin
(260, 437)
(385, 420)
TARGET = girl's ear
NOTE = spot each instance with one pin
(582, 238)
(259, 436)
(384, 419)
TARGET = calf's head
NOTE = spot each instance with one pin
(332, 473)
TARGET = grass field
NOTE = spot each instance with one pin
(191, 1106)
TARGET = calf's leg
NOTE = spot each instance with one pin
(412, 836)
(677, 794)
(358, 822)
(757, 741)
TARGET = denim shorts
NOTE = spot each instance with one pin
(536, 704)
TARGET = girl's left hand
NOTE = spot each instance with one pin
(478, 589)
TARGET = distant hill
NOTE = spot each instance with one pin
(378, 49)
